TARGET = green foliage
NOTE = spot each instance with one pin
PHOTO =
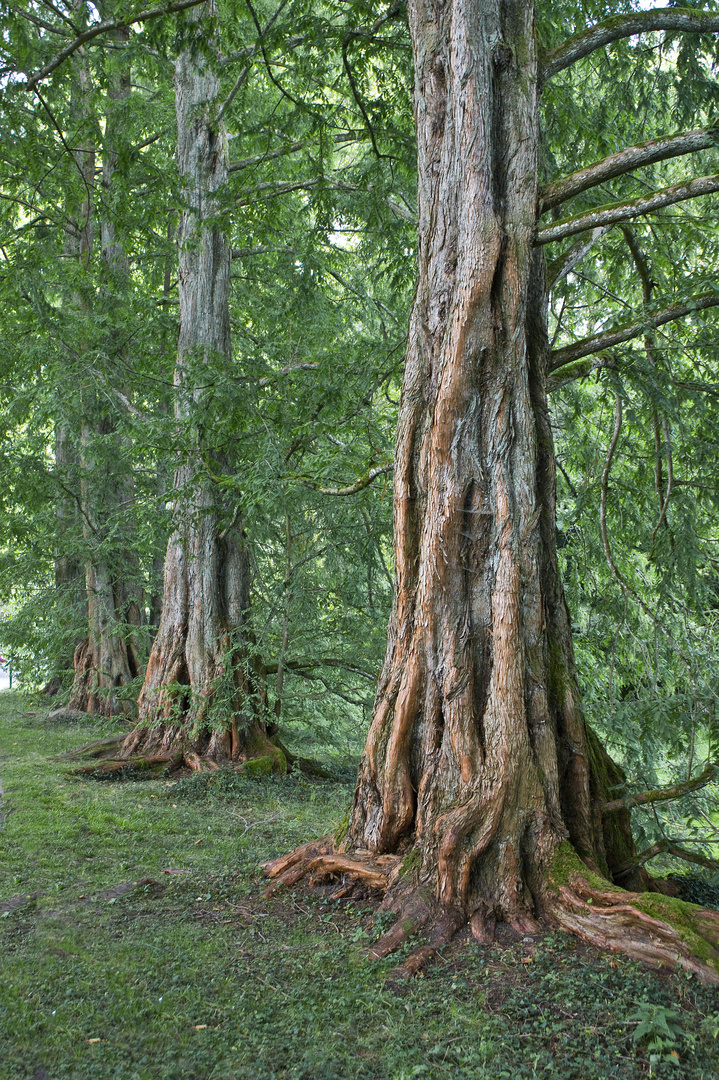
(319, 211)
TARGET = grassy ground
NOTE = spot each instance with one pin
(194, 976)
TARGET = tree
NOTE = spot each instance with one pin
(201, 646)
(282, 429)
(482, 794)
(204, 699)
(108, 659)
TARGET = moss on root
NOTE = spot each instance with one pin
(684, 918)
(266, 764)
(567, 865)
(341, 830)
(410, 863)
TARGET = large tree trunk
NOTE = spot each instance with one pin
(108, 658)
(199, 701)
(69, 577)
(478, 765)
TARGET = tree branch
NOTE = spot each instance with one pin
(259, 158)
(624, 211)
(632, 157)
(104, 28)
(659, 795)
(281, 187)
(307, 365)
(688, 20)
(360, 484)
(299, 666)
(564, 265)
(597, 342)
(580, 369)
(671, 848)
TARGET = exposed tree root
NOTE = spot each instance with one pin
(318, 861)
(141, 753)
(650, 927)
(632, 923)
(98, 750)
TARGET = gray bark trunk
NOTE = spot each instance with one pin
(198, 691)
(108, 658)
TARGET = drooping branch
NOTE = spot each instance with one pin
(272, 188)
(341, 139)
(660, 424)
(242, 77)
(300, 666)
(625, 211)
(688, 20)
(103, 28)
(632, 157)
(598, 342)
(659, 795)
(605, 489)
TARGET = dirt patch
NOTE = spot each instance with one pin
(17, 902)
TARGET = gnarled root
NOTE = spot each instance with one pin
(318, 861)
(661, 932)
(648, 926)
(413, 906)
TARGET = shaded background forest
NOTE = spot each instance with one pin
(297, 435)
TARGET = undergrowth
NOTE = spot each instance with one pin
(194, 975)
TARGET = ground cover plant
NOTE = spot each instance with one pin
(111, 967)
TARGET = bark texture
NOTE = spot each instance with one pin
(477, 753)
(109, 656)
(478, 767)
(200, 699)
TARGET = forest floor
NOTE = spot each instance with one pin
(192, 975)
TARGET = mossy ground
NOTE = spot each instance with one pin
(197, 977)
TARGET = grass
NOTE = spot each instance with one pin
(195, 976)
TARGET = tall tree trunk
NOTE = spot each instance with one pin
(199, 699)
(108, 658)
(478, 770)
(69, 576)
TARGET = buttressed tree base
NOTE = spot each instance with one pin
(482, 795)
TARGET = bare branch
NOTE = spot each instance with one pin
(259, 158)
(598, 342)
(361, 483)
(624, 211)
(632, 157)
(564, 265)
(659, 795)
(307, 365)
(671, 847)
(688, 20)
(104, 28)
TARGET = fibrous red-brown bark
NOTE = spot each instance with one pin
(200, 696)
(478, 764)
